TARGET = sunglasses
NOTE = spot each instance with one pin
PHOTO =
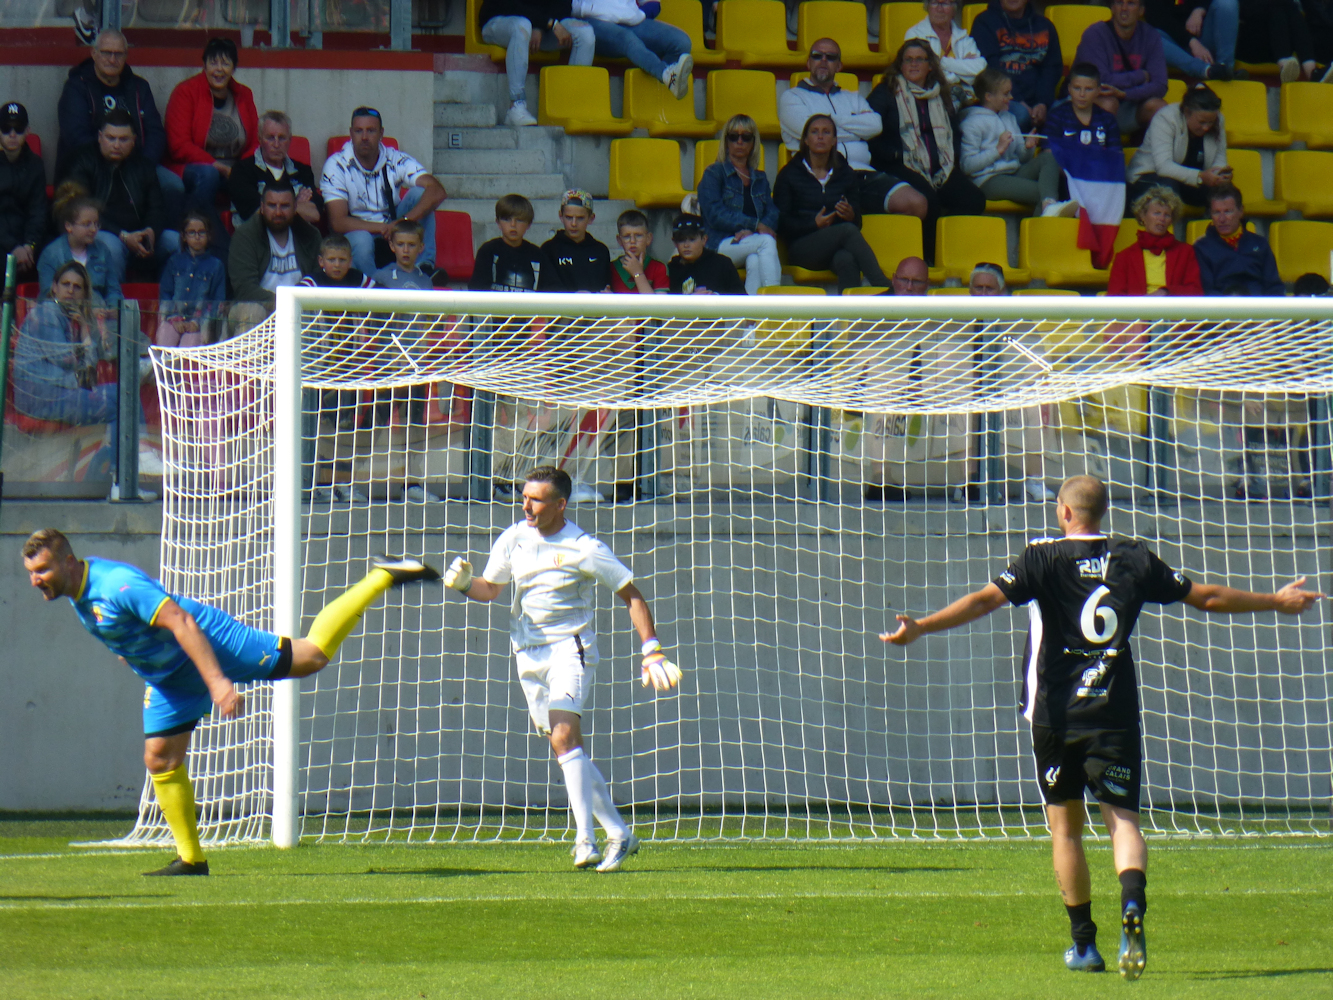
(12, 130)
(740, 137)
(365, 112)
(826, 57)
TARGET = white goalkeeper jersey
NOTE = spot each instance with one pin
(553, 578)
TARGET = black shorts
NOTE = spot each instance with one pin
(1109, 761)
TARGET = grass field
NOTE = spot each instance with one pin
(1232, 919)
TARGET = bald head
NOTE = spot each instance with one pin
(911, 277)
(1086, 496)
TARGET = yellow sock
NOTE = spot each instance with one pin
(339, 617)
(175, 796)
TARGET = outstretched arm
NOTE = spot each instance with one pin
(176, 620)
(639, 612)
(459, 577)
(966, 609)
(1290, 600)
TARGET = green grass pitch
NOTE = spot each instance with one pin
(1246, 919)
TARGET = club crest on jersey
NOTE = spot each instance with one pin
(1052, 776)
(1007, 577)
(1093, 682)
(1094, 569)
(98, 613)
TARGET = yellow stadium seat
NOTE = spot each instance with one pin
(894, 20)
(473, 45)
(784, 154)
(1175, 90)
(791, 289)
(1195, 228)
(744, 92)
(754, 33)
(840, 19)
(866, 290)
(1306, 111)
(964, 241)
(1301, 178)
(803, 275)
(1258, 69)
(578, 99)
(650, 105)
(1128, 234)
(1071, 20)
(688, 16)
(953, 290)
(1245, 111)
(894, 237)
(1008, 207)
(646, 171)
(1301, 247)
(1045, 291)
(1129, 152)
(1048, 249)
(970, 12)
(1247, 173)
(847, 81)
(705, 152)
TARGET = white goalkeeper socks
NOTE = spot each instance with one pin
(602, 805)
(577, 781)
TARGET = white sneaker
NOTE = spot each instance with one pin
(586, 854)
(616, 853)
(519, 115)
(1289, 69)
(1328, 75)
(350, 495)
(684, 70)
(583, 493)
(1060, 209)
(419, 494)
(1038, 491)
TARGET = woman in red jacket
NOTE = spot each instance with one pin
(211, 124)
(1157, 263)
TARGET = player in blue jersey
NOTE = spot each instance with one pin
(1084, 593)
(191, 656)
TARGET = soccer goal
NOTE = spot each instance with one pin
(782, 474)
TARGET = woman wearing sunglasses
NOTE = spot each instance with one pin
(737, 205)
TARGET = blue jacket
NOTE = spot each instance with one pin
(189, 283)
(47, 354)
(100, 272)
(721, 197)
(1250, 265)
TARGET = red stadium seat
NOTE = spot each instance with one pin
(454, 254)
(299, 150)
(336, 143)
(35, 142)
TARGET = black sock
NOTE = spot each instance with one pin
(1081, 927)
(1133, 889)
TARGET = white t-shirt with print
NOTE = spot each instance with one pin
(370, 194)
(283, 267)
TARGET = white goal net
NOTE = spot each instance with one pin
(782, 474)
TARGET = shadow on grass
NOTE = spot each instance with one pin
(1210, 975)
(863, 870)
(420, 872)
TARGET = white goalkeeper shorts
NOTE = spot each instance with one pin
(557, 676)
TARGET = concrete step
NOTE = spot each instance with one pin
(465, 115)
(498, 137)
(489, 161)
(492, 186)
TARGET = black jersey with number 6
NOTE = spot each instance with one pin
(1084, 594)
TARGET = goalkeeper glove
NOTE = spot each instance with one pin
(658, 671)
(459, 575)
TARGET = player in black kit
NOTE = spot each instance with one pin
(1080, 690)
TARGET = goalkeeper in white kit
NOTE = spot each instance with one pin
(554, 564)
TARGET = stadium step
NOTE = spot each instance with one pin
(492, 186)
(489, 161)
(502, 137)
(465, 115)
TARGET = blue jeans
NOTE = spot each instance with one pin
(363, 243)
(650, 45)
(168, 242)
(80, 407)
(1220, 25)
(512, 33)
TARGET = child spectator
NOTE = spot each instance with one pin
(81, 217)
(578, 262)
(407, 238)
(696, 270)
(510, 263)
(634, 270)
(193, 281)
(335, 266)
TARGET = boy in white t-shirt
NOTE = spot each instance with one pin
(553, 564)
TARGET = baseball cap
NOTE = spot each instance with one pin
(13, 117)
(687, 226)
(581, 199)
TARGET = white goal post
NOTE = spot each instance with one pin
(791, 471)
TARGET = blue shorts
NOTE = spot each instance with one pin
(177, 702)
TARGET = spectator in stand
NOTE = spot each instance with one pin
(634, 271)
(624, 31)
(80, 218)
(275, 248)
(1185, 149)
(1156, 263)
(55, 359)
(273, 161)
(335, 266)
(1232, 260)
(361, 186)
(520, 26)
(102, 83)
(921, 141)
(1012, 36)
(405, 240)
(819, 209)
(1198, 36)
(1128, 53)
(1000, 160)
(857, 123)
(737, 205)
(696, 270)
(193, 287)
(212, 125)
(22, 189)
(134, 220)
(960, 59)
(910, 277)
(575, 261)
(510, 263)
(1276, 31)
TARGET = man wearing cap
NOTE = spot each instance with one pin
(362, 184)
(22, 189)
(577, 262)
(696, 270)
